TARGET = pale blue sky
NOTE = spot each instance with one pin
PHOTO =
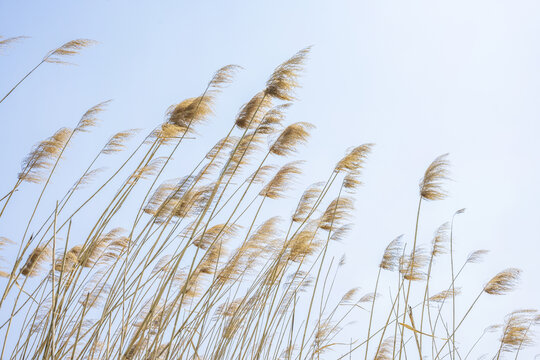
(418, 78)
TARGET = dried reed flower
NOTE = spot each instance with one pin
(440, 240)
(443, 295)
(4, 43)
(303, 244)
(369, 297)
(431, 184)
(289, 138)
(503, 282)
(222, 145)
(69, 261)
(89, 118)
(259, 176)
(148, 170)
(190, 111)
(157, 201)
(340, 209)
(385, 351)
(221, 232)
(273, 119)
(230, 308)
(351, 181)
(391, 254)
(88, 178)
(106, 247)
(245, 148)
(193, 202)
(43, 156)
(224, 76)
(283, 80)
(36, 259)
(117, 142)
(280, 183)
(70, 48)
(354, 161)
(516, 331)
(306, 202)
(349, 295)
(412, 265)
(167, 132)
(341, 232)
(252, 112)
(476, 256)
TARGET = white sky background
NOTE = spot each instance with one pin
(418, 78)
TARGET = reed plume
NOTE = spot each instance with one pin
(431, 185)
(43, 156)
(290, 138)
(6, 42)
(503, 282)
(284, 79)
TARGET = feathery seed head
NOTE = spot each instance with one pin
(190, 111)
(118, 141)
(43, 156)
(89, 118)
(289, 138)
(355, 159)
(340, 209)
(443, 295)
(503, 282)
(477, 256)
(224, 76)
(4, 43)
(440, 239)
(36, 259)
(391, 254)
(306, 202)
(252, 112)
(431, 184)
(280, 183)
(283, 81)
(70, 48)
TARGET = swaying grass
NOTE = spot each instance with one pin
(201, 272)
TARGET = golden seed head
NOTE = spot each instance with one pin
(355, 159)
(340, 209)
(307, 201)
(281, 182)
(289, 138)
(70, 48)
(431, 185)
(224, 76)
(284, 79)
(43, 156)
(440, 240)
(503, 282)
(118, 141)
(390, 260)
(36, 259)
(253, 111)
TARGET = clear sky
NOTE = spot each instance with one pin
(417, 78)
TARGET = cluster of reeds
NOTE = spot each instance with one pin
(204, 270)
